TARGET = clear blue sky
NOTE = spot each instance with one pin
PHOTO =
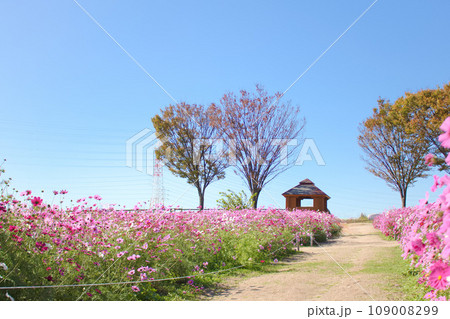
(70, 98)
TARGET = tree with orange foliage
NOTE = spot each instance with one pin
(187, 146)
(422, 113)
(392, 153)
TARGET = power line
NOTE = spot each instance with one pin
(117, 283)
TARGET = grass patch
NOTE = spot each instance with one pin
(400, 278)
(361, 219)
(384, 237)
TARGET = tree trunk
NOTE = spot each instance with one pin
(255, 198)
(201, 197)
(403, 196)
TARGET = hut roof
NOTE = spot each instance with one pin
(306, 188)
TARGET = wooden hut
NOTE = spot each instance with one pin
(306, 190)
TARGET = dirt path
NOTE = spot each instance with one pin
(313, 275)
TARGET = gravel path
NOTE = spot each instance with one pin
(313, 275)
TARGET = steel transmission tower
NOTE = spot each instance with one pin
(158, 187)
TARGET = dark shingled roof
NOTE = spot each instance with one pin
(306, 187)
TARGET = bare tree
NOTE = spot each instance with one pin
(187, 145)
(392, 153)
(257, 129)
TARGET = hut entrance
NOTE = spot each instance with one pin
(305, 202)
(306, 196)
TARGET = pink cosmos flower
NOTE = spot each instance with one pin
(25, 193)
(55, 192)
(417, 246)
(131, 272)
(429, 159)
(143, 268)
(36, 201)
(135, 288)
(440, 271)
(97, 197)
(119, 240)
(445, 137)
(121, 253)
(446, 251)
(433, 239)
(435, 184)
(41, 246)
(133, 257)
(63, 192)
(430, 295)
(424, 201)
(440, 298)
(144, 276)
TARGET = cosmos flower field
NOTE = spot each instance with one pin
(90, 253)
(424, 232)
